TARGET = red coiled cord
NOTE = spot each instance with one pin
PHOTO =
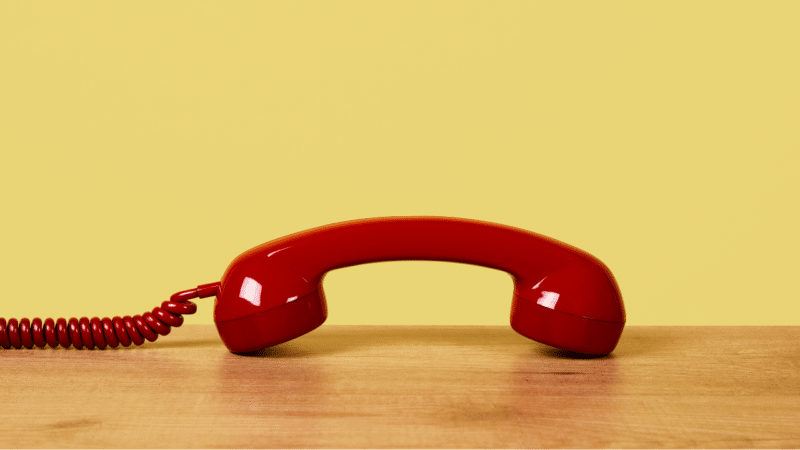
(100, 333)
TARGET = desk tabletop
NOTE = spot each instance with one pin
(411, 386)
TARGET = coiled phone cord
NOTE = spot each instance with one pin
(105, 332)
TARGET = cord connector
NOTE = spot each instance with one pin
(202, 291)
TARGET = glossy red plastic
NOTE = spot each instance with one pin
(62, 331)
(108, 332)
(50, 332)
(4, 341)
(86, 332)
(37, 332)
(101, 333)
(120, 331)
(563, 296)
(74, 333)
(25, 333)
(12, 330)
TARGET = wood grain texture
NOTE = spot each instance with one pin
(403, 386)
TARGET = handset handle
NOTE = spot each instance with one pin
(546, 273)
(524, 255)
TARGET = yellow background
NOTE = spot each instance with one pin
(146, 144)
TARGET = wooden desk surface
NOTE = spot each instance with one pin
(401, 386)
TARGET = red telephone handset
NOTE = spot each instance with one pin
(272, 293)
(563, 296)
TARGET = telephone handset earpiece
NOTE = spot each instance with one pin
(273, 293)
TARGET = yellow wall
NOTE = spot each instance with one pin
(143, 145)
